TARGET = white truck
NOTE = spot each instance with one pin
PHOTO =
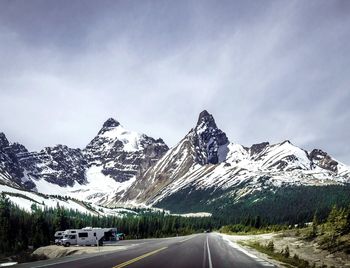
(88, 236)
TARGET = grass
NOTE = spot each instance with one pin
(283, 256)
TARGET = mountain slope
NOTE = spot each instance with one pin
(122, 154)
(204, 145)
(122, 167)
(108, 164)
(195, 168)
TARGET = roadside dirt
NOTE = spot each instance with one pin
(306, 250)
(244, 238)
(52, 252)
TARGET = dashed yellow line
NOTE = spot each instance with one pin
(139, 258)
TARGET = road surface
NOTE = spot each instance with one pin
(200, 250)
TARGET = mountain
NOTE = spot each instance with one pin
(205, 145)
(122, 154)
(204, 167)
(204, 172)
(107, 165)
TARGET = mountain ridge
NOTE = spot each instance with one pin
(122, 167)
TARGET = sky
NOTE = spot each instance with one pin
(266, 70)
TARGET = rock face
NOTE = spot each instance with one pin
(256, 149)
(9, 164)
(59, 165)
(209, 141)
(323, 160)
(122, 154)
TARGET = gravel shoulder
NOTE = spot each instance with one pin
(307, 250)
(237, 239)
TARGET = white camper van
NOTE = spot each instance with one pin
(58, 236)
(69, 237)
(88, 236)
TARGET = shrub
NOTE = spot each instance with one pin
(285, 252)
(270, 246)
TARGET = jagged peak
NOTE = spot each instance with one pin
(3, 140)
(111, 122)
(209, 141)
(207, 118)
(2, 135)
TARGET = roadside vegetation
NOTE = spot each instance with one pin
(282, 256)
(331, 235)
(21, 230)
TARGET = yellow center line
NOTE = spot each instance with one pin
(139, 258)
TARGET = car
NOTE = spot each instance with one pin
(120, 236)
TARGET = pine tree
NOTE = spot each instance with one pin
(5, 228)
(314, 225)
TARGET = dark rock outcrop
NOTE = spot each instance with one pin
(323, 160)
(209, 141)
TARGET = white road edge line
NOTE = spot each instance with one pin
(209, 256)
(238, 247)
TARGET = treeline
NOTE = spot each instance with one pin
(20, 229)
(264, 211)
(278, 205)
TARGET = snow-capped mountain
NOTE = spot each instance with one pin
(122, 154)
(108, 164)
(122, 167)
(204, 145)
(205, 161)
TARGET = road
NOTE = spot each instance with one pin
(200, 250)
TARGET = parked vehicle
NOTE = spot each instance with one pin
(88, 236)
(69, 237)
(120, 236)
(58, 236)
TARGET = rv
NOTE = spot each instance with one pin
(58, 236)
(88, 236)
(69, 237)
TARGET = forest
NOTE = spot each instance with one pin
(20, 229)
(279, 205)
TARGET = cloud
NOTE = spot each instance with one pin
(269, 71)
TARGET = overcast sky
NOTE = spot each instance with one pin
(266, 70)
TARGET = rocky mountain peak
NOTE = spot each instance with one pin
(109, 124)
(209, 141)
(206, 118)
(3, 140)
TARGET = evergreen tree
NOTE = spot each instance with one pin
(5, 228)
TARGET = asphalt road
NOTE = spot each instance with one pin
(201, 250)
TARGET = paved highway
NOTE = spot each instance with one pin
(201, 250)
